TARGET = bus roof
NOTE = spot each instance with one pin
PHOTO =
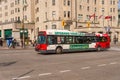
(66, 32)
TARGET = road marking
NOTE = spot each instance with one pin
(44, 74)
(65, 71)
(102, 65)
(113, 63)
(85, 67)
(21, 78)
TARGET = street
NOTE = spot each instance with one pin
(28, 65)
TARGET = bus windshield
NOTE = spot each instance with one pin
(41, 39)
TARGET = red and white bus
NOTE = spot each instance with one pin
(59, 41)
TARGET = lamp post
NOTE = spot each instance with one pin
(23, 26)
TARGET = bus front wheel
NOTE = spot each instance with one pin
(59, 50)
(99, 48)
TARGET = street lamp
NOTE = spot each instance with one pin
(23, 30)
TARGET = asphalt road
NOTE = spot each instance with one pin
(28, 65)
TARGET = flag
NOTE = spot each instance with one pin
(101, 16)
(93, 15)
(108, 17)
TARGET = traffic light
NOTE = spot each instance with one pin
(88, 24)
(63, 23)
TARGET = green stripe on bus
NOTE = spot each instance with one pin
(70, 33)
(79, 46)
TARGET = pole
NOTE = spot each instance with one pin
(94, 17)
(23, 43)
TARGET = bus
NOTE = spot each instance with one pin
(60, 41)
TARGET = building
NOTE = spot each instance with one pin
(78, 15)
(13, 13)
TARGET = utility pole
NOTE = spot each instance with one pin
(23, 26)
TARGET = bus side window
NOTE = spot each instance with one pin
(50, 40)
(63, 40)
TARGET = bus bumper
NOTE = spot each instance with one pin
(44, 51)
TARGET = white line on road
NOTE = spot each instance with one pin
(21, 78)
(85, 67)
(102, 65)
(113, 63)
(44, 74)
(65, 71)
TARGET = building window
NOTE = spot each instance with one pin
(6, 7)
(53, 13)
(37, 9)
(114, 10)
(18, 18)
(68, 14)
(95, 2)
(102, 1)
(88, 8)
(64, 13)
(37, 1)
(0, 15)
(80, 16)
(87, 17)
(113, 18)
(37, 19)
(45, 4)
(95, 9)
(12, 4)
(0, 8)
(80, 7)
(68, 2)
(46, 26)
(18, 1)
(64, 2)
(113, 2)
(110, 9)
(46, 15)
(5, 1)
(6, 13)
(87, 1)
(25, 17)
(53, 26)
(12, 11)
(53, 2)
(18, 9)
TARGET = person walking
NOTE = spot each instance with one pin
(114, 40)
(1, 42)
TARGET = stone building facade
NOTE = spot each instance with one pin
(13, 13)
(79, 15)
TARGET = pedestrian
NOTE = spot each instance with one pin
(1, 42)
(21, 43)
(13, 43)
(114, 40)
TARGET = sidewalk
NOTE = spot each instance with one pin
(115, 45)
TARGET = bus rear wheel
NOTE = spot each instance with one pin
(59, 50)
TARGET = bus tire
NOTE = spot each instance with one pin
(98, 48)
(58, 50)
